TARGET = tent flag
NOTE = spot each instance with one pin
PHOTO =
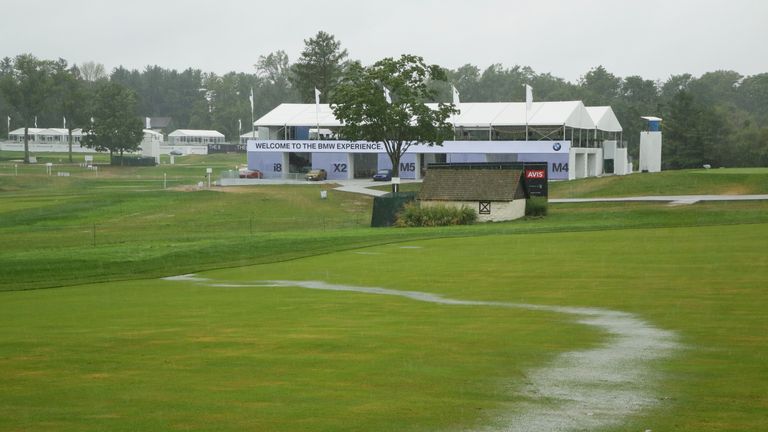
(387, 95)
(456, 100)
(239, 126)
(317, 96)
(253, 126)
(528, 97)
(148, 123)
(65, 121)
(35, 121)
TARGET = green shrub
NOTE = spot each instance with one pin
(536, 206)
(414, 215)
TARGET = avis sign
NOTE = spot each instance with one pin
(535, 174)
(535, 178)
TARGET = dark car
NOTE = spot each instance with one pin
(316, 175)
(251, 174)
(383, 175)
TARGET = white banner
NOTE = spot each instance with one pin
(320, 146)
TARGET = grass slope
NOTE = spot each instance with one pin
(121, 224)
(160, 355)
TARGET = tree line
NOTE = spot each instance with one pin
(719, 118)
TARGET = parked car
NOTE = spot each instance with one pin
(383, 175)
(251, 174)
(176, 152)
(316, 175)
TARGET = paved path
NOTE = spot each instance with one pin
(672, 199)
(361, 187)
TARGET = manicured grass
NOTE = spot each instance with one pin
(162, 355)
(741, 181)
(121, 224)
(138, 353)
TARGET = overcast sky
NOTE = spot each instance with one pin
(653, 38)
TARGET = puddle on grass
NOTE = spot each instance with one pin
(579, 390)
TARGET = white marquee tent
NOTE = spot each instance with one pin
(572, 114)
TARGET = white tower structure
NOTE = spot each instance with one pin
(650, 146)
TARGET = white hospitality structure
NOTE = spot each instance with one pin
(650, 146)
(572, 139)
(195, 137)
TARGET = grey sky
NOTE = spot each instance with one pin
(653, 39)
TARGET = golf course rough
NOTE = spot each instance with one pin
(580, 390)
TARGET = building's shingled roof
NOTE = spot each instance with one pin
(471, 185)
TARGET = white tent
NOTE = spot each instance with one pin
(299, 115)
(196, 133)
(604, 119)
(572, 114)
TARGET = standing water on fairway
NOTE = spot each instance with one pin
(579, 390)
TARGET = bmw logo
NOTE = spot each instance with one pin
(556, 147)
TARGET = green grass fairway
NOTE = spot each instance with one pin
(92, 339)
(175, 355)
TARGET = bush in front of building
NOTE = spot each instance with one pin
(414, 215)
(536, 206)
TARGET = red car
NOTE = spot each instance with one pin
(251, 174)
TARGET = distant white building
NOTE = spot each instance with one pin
(195, 137)
(46, 136)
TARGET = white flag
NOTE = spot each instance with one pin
(65, 122)
(251, 99)
(317, 96)
(35, 121)
(91, 120)
(148, 123)
(387, 96)
(239, 126)
(528, 97)
(456, 100)
(9, 124)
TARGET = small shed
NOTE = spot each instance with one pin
(495, 192)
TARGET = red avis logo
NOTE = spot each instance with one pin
(535, 174)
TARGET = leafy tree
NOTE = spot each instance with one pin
(71, 98)
(320, 66)
(92, 71)
(637, 97)
(274, 70)
(27, 89)
(360, 103)
(115, 127)
(466, 79)
(6, 71)
(719, 87)
(694, 134)
(753, 96)
(599, 87)
(502, 85)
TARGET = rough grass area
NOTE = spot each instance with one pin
(163, 355)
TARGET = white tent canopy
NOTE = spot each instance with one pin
(196, 133)
(604, 118)
(288, 114)
(572, 114)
